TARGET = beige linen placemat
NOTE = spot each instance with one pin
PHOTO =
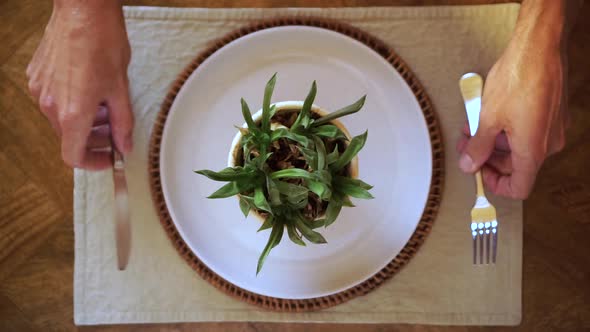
(439, 285)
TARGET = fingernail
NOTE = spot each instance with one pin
(466, 163)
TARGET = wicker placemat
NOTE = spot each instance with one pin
(417, 238)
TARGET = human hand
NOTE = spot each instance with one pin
(523, 118)
(79, 77)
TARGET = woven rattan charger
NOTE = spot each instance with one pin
(411, 247)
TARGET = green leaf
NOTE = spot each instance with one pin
(352, 190)
(347, 202)
(295, 205)
(332, 212)
(263, 142)
(308, 233)
(290, 189)
(244, 206)
(293, 235)
(280, 236)
(304, 114)
(227, 190)
(321, 153)
(273, 192)
(315, 223)
(329, 131)
(291, 173)
(333, 156)
(274, 238)
(350, 109)
(227, 174)
(323, 176)
(295, 194)
(273, 110)
(247, 114)
(260, 201)
(320, 189)
(285, 133)
(266, 103)
(353, 148)
(310, 156)
(356, 182)
(268, 222)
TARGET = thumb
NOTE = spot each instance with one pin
(121, 119)
(479, 147)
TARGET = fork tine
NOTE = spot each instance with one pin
(494, 240)
(474, 238)
(487, 237)
(480, 227)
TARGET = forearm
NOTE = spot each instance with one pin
(86, 6)
(546, 24)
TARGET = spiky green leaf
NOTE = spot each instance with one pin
(273, 191)
(260, 200)
(350, 109)
(333, 156)
(356, 182)
(244, 206)
(308, 233)
(247, 114)
(291, 173)
(303, 119)
(285, 133)
(329, 131)
(332, 212)
(231, 189)
(228, 174)
(353, 148)
(321, 153)
(266, 111)
(293, 235)
(352, 190)
(268, 222)
(320, 189)
(275, 237)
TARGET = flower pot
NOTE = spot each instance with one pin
(235, 157)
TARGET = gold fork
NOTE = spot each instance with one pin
(484, 224)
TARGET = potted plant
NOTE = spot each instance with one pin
(294, 166)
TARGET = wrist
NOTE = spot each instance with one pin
(86, 6)
(541, 24)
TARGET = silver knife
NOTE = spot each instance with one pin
(122, 222)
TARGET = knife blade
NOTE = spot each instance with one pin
(122, 215)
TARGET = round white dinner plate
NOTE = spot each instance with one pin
(396, 159)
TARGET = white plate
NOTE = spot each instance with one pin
(396, 160)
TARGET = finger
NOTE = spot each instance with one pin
(48, 107)
(479, 148)
(34, 88)
(121, 119)
(501, 162)
(102, 116)
(100, 137)
(490, 178)
(557, 134)
(462, 143)
(502, 142)
(466, 130)
(517, 185)
(96, 160)
(75, 122)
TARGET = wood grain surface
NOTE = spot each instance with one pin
(36, 229)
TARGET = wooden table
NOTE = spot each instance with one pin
(36, 230)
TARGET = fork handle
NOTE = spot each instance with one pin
(479, 181)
